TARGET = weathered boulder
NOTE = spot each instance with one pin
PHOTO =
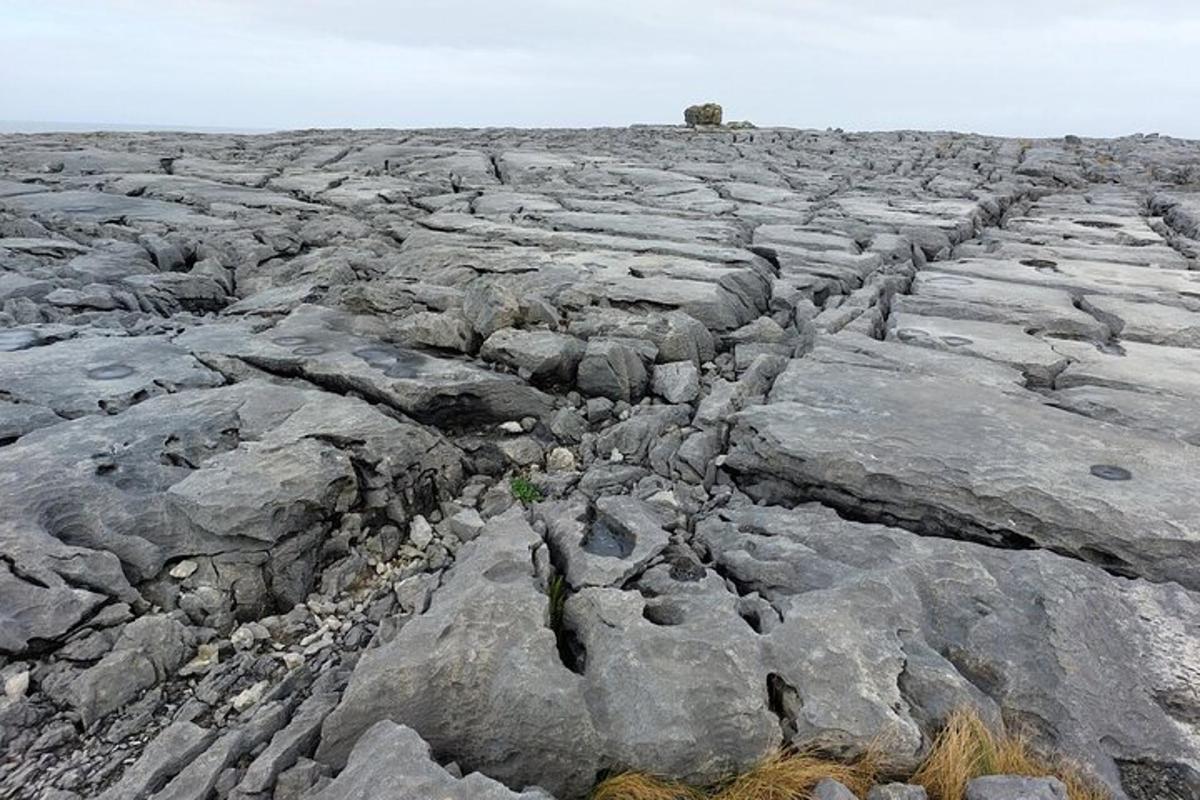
(703, 114)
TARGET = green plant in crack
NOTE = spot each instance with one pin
(524, 490)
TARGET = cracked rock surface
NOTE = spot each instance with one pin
(486, 463)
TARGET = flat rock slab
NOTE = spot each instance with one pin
(877, 442)
(347, 353)
(1161, 414)
(1131, 281)
(1037, 308)
(994, 341)
(99, 375)
(1153, 323)
(886, 630)
(1133, 366)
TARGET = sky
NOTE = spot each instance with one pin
(1017, 68)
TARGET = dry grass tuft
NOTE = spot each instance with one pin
(967, 748)
(638, 786)
(783, 776)
(791, 776)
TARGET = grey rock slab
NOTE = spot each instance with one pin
(101, 207)
(1153, 323)
(1015, 787)
(97, 375)
(888, 632)
(169, 752)
(994, 341)
(853, 349)
(1086, 228)
(18, 419)
(440, 331)
(602, 547)
(1092, 277)
(1037, 308)
(677, 336)
(478, 675)
(348, 352)
(881, 442)
(642, 431)
(1006, 244)
(1139, 367)
(675, 681)
(645, 226)
(1162, 414)
(393, 762)
(41, 599)
(196, 780)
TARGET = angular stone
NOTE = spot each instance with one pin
(1015, 787)
(148, 651)
(298, 738)
(544, 355)
(896, 791)
(677, 382)
(392, 762)
(166, 755)
(829, 789)
(615, 368)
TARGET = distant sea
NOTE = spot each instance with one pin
(27, 126)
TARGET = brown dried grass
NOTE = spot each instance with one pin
(782, 776)
(966, 748)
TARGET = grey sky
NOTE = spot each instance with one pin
(1022, 67)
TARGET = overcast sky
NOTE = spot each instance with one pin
(1019, 67)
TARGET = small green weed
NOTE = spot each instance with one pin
(524, 490)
